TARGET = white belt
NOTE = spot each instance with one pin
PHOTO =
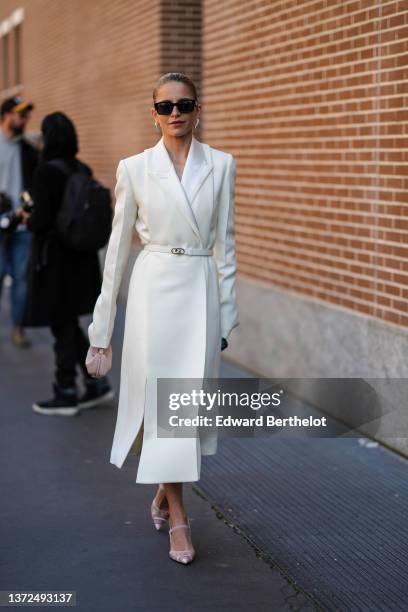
(165, 248)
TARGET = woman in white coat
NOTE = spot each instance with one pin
(181, 305)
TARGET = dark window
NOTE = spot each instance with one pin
(5, 60)
(17, 55)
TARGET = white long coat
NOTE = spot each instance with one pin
(178, 306)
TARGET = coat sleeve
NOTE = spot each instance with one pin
(47, 189)
(117, 254)
(224, 252)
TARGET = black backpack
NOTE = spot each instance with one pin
(84, 220)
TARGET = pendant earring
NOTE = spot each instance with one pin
(197, 122)
(156, 125)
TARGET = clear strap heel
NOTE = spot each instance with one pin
(181, 556)
(159, 516)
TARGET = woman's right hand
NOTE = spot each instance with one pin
(98, 349)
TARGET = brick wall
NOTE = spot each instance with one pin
(311, 98)
(97, 62)
(181, 44)
(308, 95)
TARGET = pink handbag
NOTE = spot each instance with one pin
(98, 361)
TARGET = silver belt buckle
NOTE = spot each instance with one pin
(177, 251)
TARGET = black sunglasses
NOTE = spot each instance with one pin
(165, 107)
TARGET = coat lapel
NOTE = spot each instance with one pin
(198, 166)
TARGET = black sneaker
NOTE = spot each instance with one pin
(98, 391)
(64, 402)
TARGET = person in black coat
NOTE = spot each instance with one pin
(62, 283)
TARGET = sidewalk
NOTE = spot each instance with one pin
(72, 521)
(329, 514)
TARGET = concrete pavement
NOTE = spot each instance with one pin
(72, 521)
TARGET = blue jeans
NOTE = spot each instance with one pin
(14, 255)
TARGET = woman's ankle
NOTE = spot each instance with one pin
(160, 498)
(178, 516)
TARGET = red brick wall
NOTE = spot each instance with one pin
(308, 96)
(181, 44)
(97, 62)
(311, 98)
